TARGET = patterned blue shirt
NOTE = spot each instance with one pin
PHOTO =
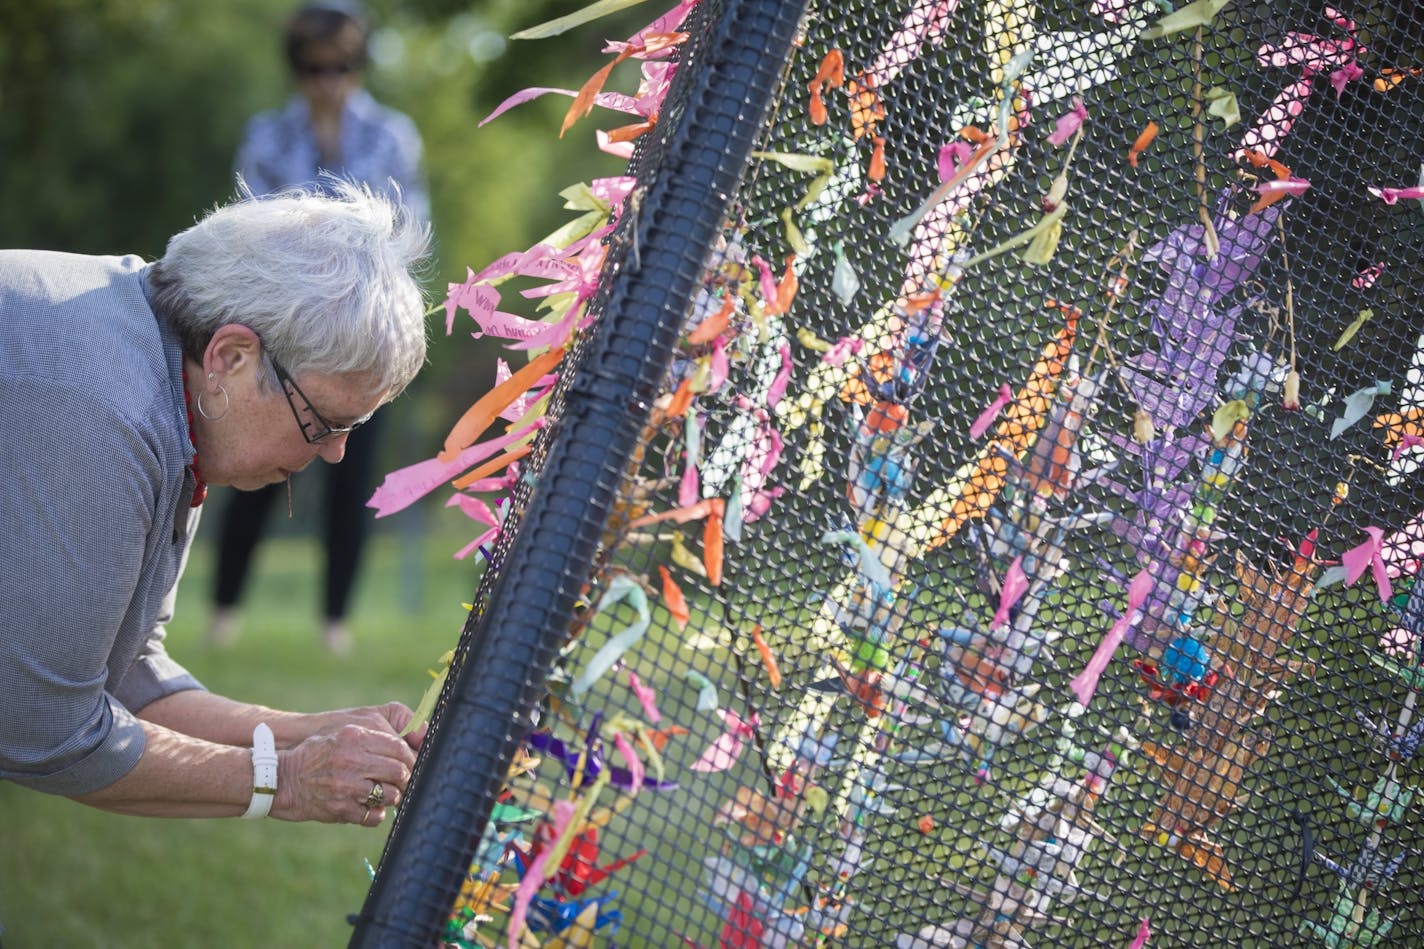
(379, 146)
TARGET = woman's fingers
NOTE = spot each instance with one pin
(334, 777)
(391, 717)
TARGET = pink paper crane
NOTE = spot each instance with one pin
(1013, 588)
(724, 752)
(1369, 554)
(646, 697)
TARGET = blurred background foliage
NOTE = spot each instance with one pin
(119, 120)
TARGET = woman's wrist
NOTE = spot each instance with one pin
(287, 782)
(293, 728)
(264, 772)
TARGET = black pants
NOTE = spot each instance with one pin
(346, 525)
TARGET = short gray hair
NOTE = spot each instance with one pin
(325, 278)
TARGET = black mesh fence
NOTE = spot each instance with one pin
(978, 506)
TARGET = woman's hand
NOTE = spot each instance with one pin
(349, 772)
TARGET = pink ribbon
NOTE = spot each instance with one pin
(760, 502)
(636, 771)
(721, 365)
(952, 157)
(606, 145)
(1085, 684)
(1406, 441)
(1345, 75)
(617, 101)
(777, 390)
(1292, 187)
(669, 21)
(689, 487)
(516, 409)
(763, 455)
(476, 510)
(535, 876)
(925, 22)
(1367, 276)
(1144, 932)
(404, 487)
(542, 261)
(1314, 55)
(842, 349)
(575, 269)
(1394, 195)
(991, 412)
(766, 279)
(499, 484)
(1275, 123)
(651, 91)
(582, 278)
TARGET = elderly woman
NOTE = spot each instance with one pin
(266, 334)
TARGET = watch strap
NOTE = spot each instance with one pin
(264, 772)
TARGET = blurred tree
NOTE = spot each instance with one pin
(118, 120)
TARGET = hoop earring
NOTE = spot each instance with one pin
(204, 412)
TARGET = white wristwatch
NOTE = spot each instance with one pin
(264, 772)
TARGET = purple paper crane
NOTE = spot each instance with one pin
(1195, 335)
(1195, 331)
(592, 762)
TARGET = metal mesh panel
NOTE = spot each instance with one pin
(1031, 435)
(535, 574)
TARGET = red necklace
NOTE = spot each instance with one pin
(200, 488)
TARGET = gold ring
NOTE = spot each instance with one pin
(376, 797)
(365, 815)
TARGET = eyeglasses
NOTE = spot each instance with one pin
(317, 70)
(316, 431)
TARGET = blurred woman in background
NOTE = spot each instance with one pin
(330, 124)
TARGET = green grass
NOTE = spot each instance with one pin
(77, 877)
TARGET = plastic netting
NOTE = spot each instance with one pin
(978, 506)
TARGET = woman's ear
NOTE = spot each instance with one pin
(233, 349)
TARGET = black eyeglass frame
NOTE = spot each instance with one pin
(328, 431)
